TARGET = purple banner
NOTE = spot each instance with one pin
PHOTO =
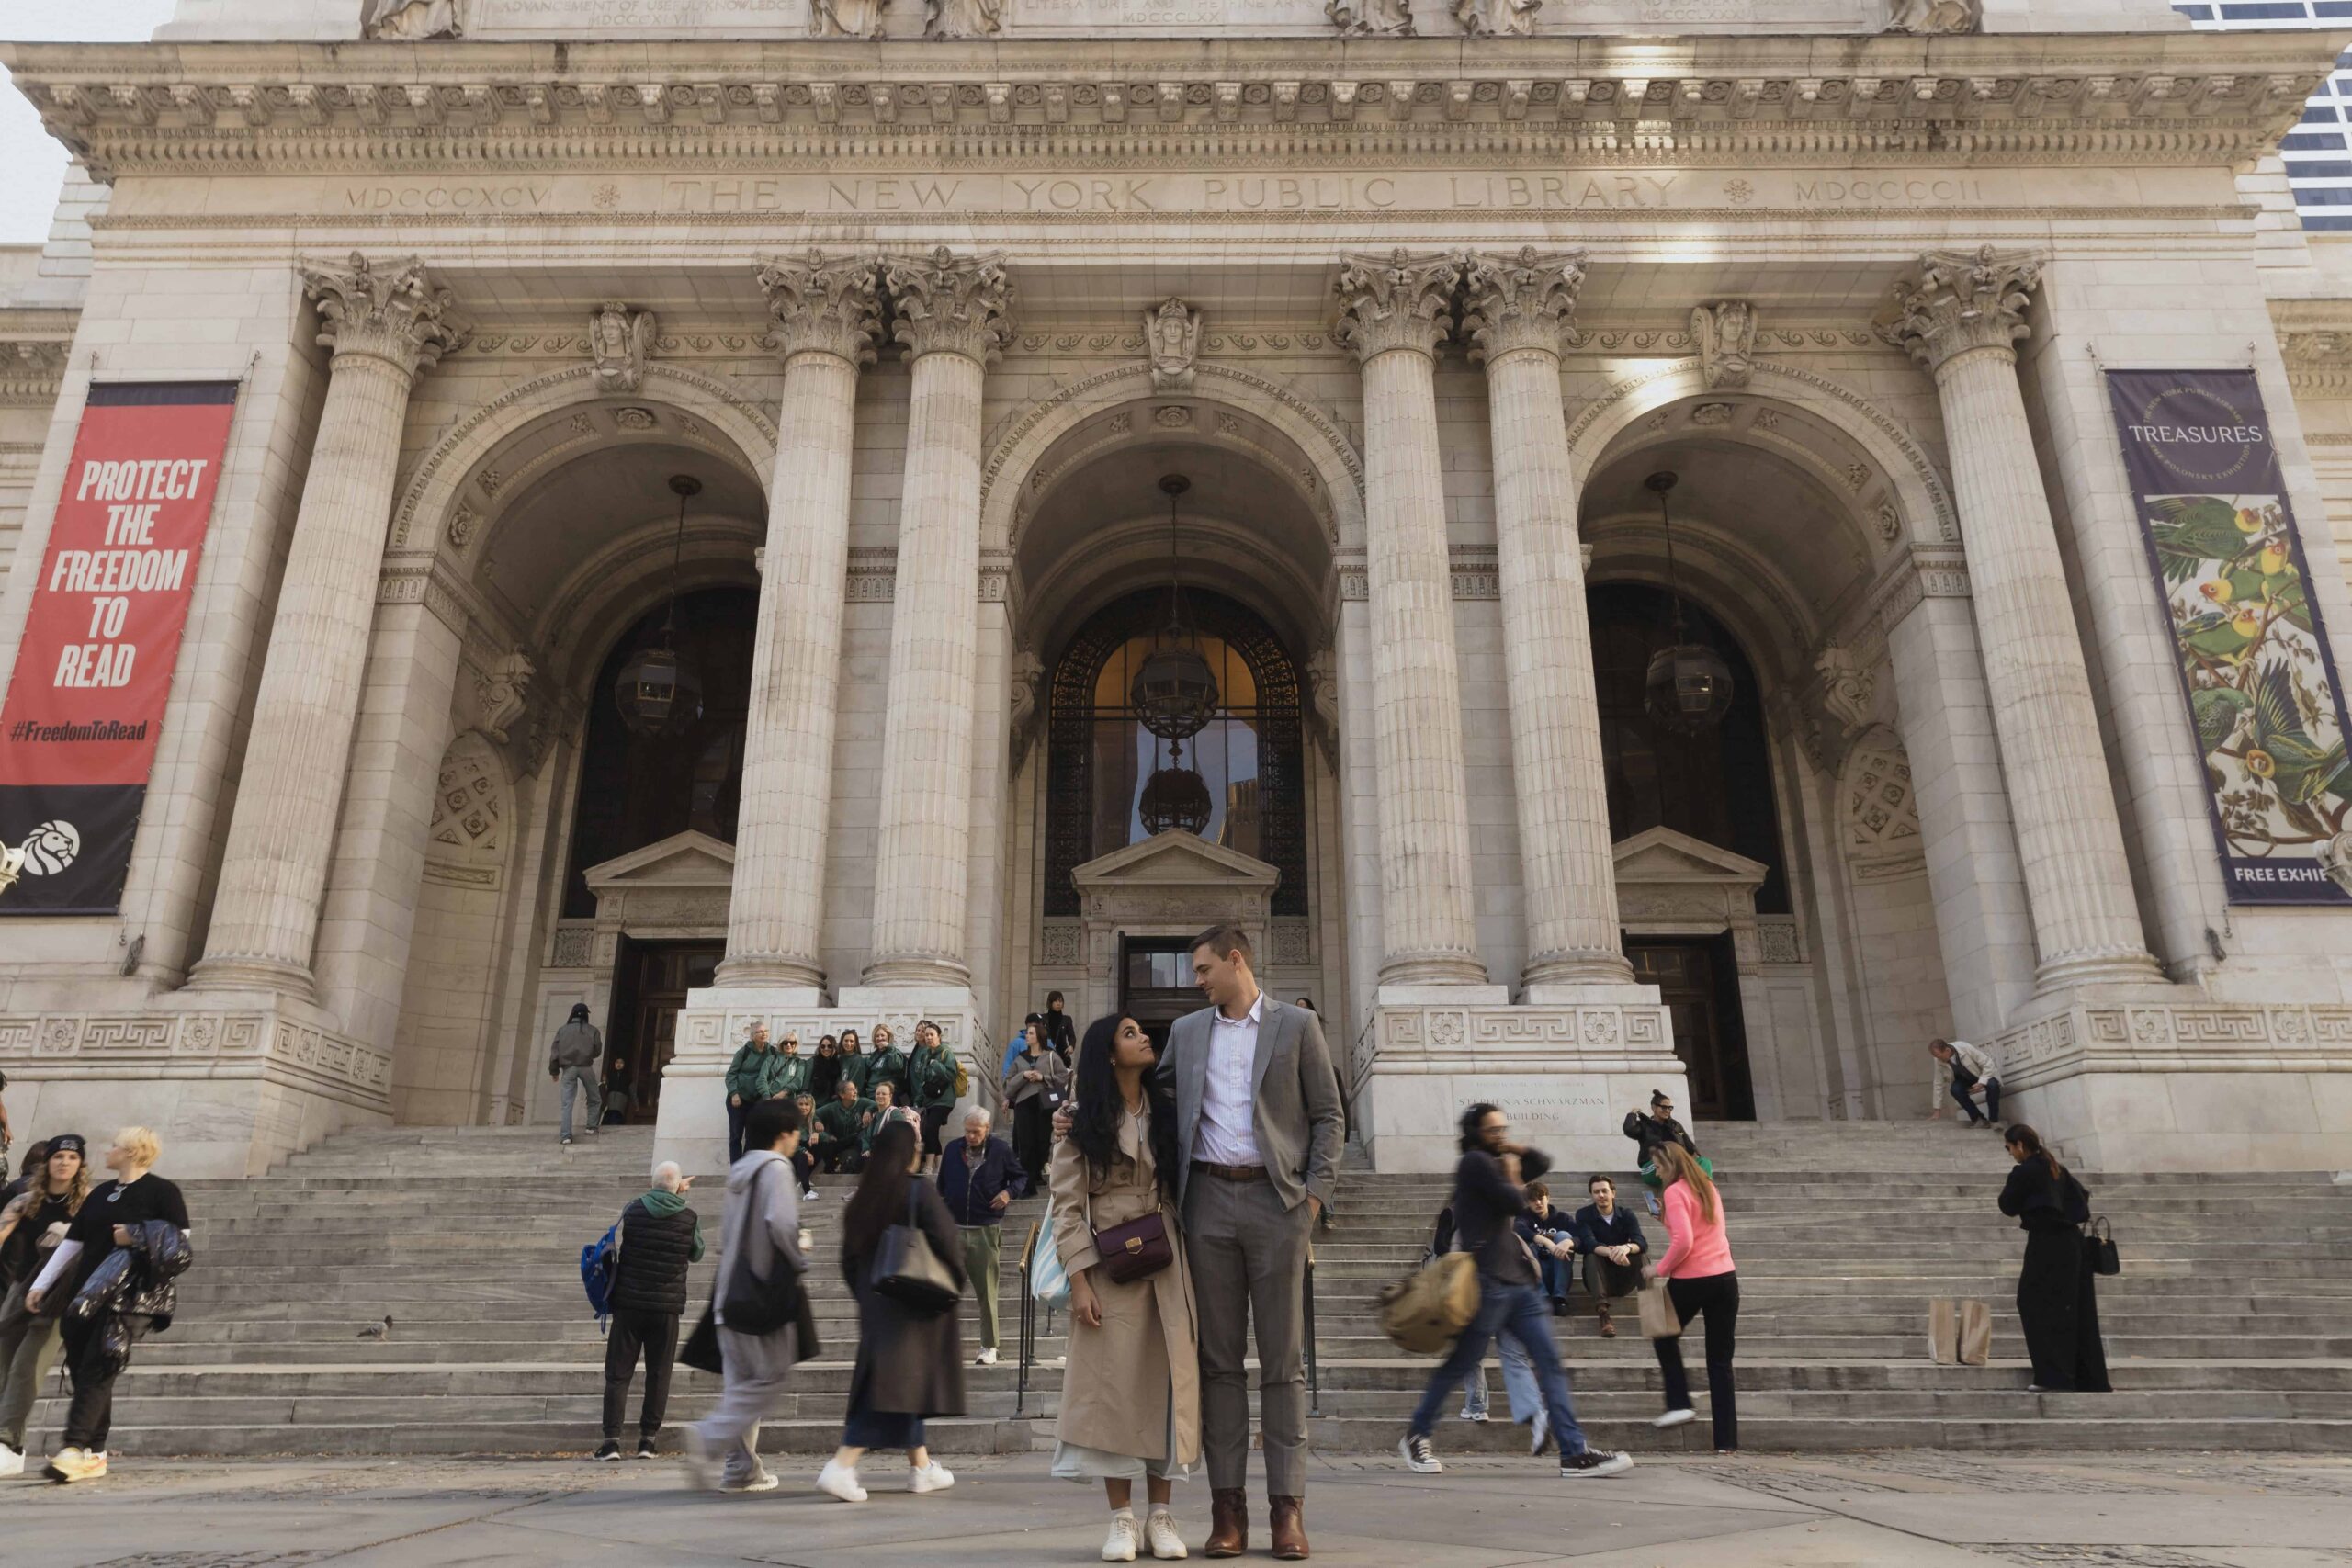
(2259, 683)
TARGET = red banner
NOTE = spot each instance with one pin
(86, 704)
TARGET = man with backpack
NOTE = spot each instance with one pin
(659, 1237)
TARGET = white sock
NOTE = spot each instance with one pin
(1127, 1514)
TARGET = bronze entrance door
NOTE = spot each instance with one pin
(1156, 985)
(649, 988)
(1700, 985)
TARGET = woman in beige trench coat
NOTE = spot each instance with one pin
(1131, 1395)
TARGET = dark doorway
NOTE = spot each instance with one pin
(1697, 979)
(1156, 984)
(651, 983)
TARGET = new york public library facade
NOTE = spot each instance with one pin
(928, 305)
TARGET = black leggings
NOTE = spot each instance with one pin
(934, 1117)
(90, 1416)
(1716, 1298)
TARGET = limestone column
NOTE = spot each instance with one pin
(1517, 305)
(954, 314)
(1392, 313)
(384, 325)
(1959, 315)
(826, 316)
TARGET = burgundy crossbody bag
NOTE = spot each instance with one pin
(1132, 1251)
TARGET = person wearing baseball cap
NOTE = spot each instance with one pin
(32, 1226)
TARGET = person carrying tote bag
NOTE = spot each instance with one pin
(1699, 1280)
(910, 1358)
(759, 1276)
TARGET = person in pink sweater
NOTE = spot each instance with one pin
(1700, 1280)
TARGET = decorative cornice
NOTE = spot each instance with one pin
(1962, 300)
(1397, 300)
(394, 314)
(2213, 98)
(1519, 301)
(822, 305)
(32, 368)
(1475, 575)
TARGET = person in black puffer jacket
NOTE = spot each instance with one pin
(659, 1240)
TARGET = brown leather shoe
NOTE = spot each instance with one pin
(1608, 1329)
(1289, 1529)
(1229, 1522)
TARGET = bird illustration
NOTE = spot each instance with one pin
(378, 1330)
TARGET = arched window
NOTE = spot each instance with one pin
(1099, 756)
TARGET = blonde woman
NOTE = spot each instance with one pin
(1699, 1278)
(104, 1224)
(31, 1227)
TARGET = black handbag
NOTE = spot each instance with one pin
(760, 1304)
(701, 1349)
(909, 1269)
(2100, 1240)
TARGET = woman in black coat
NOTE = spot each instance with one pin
(2057, 1301)
(908, 1365)
(825, 1071)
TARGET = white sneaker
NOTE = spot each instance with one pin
(1120, 1545)
(766, 1481)
(1419, 1457)
(932, 1477)
(1542, 1436)
(987, 1357)
(1161, 1531)
(702, 1473)
(1474, 1415)
(11, 1461)
(1682, 1417)
(837, 1480)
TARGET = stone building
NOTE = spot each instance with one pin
(928, 302)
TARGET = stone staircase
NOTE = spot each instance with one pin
(2228, 1328)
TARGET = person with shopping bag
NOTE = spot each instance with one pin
(1700, 1282)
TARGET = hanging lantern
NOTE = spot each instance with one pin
(1174, 797)
(657, 689)
(1174, 694)
(1690, 684)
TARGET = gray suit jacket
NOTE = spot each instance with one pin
(1296, 1118)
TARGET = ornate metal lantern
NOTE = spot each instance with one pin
(1174, 694)
(657, 689)
(1175, 797)
(1690, 684)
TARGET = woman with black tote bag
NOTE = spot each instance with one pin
(2057, 1302)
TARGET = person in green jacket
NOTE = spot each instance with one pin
(888, 1063)
(749, 1080)
(856, 1064)
(841, 1129)
(791, 1069)
(932, 1070)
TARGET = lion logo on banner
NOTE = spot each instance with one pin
(52, 847)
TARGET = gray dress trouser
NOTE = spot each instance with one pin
(1249, 1260)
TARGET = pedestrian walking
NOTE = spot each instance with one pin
(909, 1364)
(1524, 1394)
(661, 1238)
(1487, 1202)
(1608, 1238)
(759, 1231)
(932, 1071)
(1970, 1069)
(751, 1076)
(842, 1128)
(2057, 1294)
(32, 1226)
(137, 1213)
(1131, 1395)
(572, 1066)
(1701, 1283)
(1034, 1084)
(980, 1178)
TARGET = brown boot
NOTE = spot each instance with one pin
(1289, 1529)
(1229, 1522)
(1608, 1329)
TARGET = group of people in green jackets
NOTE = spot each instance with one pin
(847, 1094)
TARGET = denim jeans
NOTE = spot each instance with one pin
(1518, 1386)
(1518, 1312)
(1962, 1082)
(581, 1080)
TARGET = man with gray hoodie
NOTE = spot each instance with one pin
(571, 1063)
(761, 1223)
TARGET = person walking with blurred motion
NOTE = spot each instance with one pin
(980, 1179)
(1034, 1085)
(1131, 1397)
(2057, 1297)
(1700, 1282)
(909, 1363)
(759, 1231)
(661, 1238)
(571, 1066)
(32, 1225)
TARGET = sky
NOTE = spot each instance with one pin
(35, 163)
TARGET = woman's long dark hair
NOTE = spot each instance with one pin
(880, 1201)
(1094, 1118)
(2020, 1136)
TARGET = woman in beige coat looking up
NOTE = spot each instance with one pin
(1131, 1396)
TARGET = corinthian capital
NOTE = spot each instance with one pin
(392, 313)
(1521, 300)
(1958, 301)
(951, 304)
(822, 305)
(1399, 300)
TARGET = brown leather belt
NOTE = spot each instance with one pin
(1230, 1172)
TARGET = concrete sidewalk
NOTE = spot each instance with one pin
(1907, 1509)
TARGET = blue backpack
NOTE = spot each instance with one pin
(598, 1262)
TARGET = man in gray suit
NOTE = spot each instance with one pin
(1258, 1122)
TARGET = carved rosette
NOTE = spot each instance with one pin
(951, 304)
(393, 313)
(1399, 300)
(1522, 300)
(1960, 300)
(822, 306)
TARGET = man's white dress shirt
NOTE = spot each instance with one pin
(1227, 1131)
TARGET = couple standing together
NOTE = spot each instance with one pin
(1231, 1138)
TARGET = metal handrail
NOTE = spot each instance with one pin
(1028, 1324)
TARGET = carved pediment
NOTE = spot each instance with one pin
(687, 860)
(1662, 855)
(1177, 859)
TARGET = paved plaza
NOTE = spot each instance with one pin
(1915, 1510)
